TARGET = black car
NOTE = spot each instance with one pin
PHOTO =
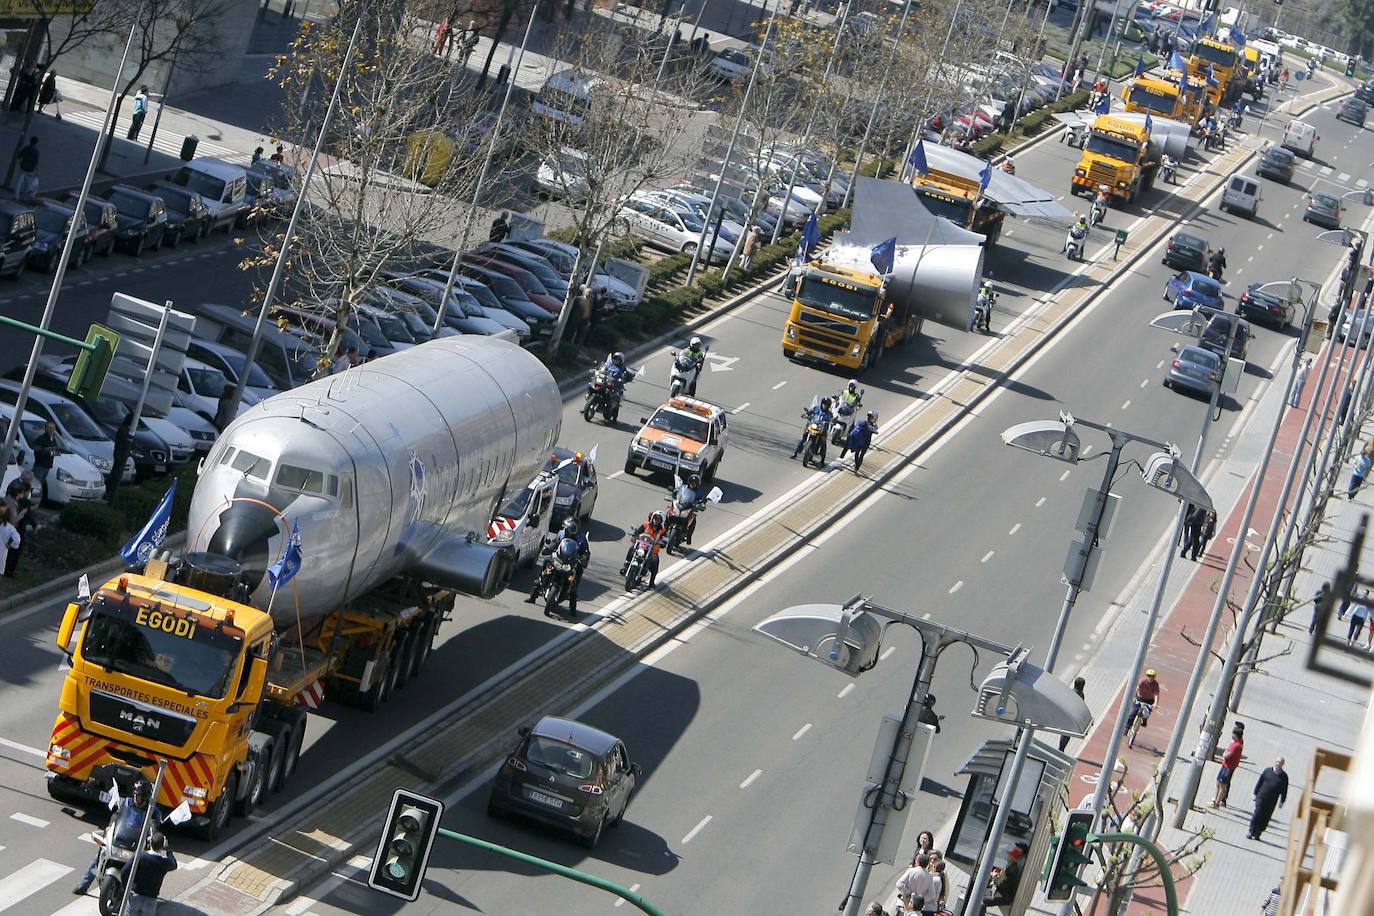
(1219, 328)
(1265, 307)
(567, 774)
(1186, 251)
(577, 487)
(54, 220)
(1278, 163)
(18, 232)
(1352, 110)
(1365, 91)
(186, 210)
(102, 221)
(142, 219)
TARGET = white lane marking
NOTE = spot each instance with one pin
(1361, 183)
(1041, 501)
(33, 877)
(741, 407)
(1249, 259)
(801, 731)
(750, 780)
(28, 819)
(779, 384)
(1326, 170)
(1064, 476)
(695, 830)
(1258, 248)
(1160, 364)
(1144, 382)
(620, 901)
(886, 653)
(1014, 528)
(845, 692)
(956, 586)
(987, 556)
(23, 748)
(1270, 235)
(1128, 400)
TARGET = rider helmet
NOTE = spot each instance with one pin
(1221, 252)
(1150, 672)
(853, 386)
(618, 358)
(694, 481)
(567, 551)
(873, 416)
(929, 701)
(656, 519)
(142, 789)
(825, 402)
(695, 343)
(570, 528)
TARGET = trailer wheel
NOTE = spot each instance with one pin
(376, 695)
(424, 640)
(293, 742)
(403, 658)
(218, 816)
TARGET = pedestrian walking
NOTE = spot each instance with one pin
(45, 452)
(279, 155)
(1230, 760)
(123, 444)
(1295, 396)
(26, 185)
(25, 89)
(469, 43)
(257, 157)
(1079, 685)
(442, 34)
(49, 95)
(581, 316)
(500, 227)
(1270, 789)
(1319, 601)
(751, 243)
(157, 860)
(916, 885)
(1270, 906)
(9, 536)
(18, 496)
(1205, 534)
(1362, 464)
(1359, 615)
(860, 438)
(140, 112)
(1192, 529)
(931, 905)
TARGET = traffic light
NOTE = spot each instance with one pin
(398, 868)
(1350, 67)
(88, 376)
(1069, 857)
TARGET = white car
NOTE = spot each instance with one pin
(732, 64)
(202, 385)
(683, 201)
(202, 432)
(665, 228)
(72, 477)
(563, 255)
(77, 430)
(564, 175)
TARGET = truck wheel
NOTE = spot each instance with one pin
(217, 818)
(252, 797)
(65, 789)
(274, 778)
(375, 695)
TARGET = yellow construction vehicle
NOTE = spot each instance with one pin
(1119, 156)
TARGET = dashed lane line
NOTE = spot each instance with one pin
(695, 830)
(802, 731)
(749, 780)
(956, 586)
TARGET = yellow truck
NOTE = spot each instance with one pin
(959, 199)
(844, 316)
(1194, 95)
(1156, 96)
(1119, 155)
(1228, 73)
(174, 665)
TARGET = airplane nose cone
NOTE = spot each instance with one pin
(244, 532)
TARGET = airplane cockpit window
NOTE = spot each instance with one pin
(250, 465)
(303, 480)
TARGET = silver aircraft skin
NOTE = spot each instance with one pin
(392, 467)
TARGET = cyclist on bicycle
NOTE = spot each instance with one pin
(1146, 696)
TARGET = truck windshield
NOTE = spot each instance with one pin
(957, 212)
(1119, 150)
(837, 298)
(1221, 57)
(1162, 104)
(160, 647)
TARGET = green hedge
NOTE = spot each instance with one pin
(97, 521)
(112, 525)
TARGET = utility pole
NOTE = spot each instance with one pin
(877, 100)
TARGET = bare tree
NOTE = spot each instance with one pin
(401, 117)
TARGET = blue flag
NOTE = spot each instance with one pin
(1238, 37)
(1211, 76)
(1148, 122)
(1140, 65)
(883, 256)
(985, 177)
(1104, 105)
(810, 237)
(917, 159)
(1176, 62)
(150, 538)
(282, 571)
(1206, 27)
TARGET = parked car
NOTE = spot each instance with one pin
(511, 296)
(1278, 163)
(665, 228)
(18, 232)
(732, 64)
(186, 210)
(1353, 110)
(567, 774)
(102, 219)
(1266, 307)
(456, 315)
(1194, 370)
(222, 186)
(553, 281)
(1186, 251)
(202, 385)
(1189, 289)
(53, 222)
(563, 176)
(1356, 322)
(72, 477)
(74, 425)
(230, 361)
(1323, 209)
(142, 219)
(534, 290)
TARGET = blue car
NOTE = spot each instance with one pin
(1188, 289)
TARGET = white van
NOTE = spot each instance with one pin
(223, 187)
(1242, 195)
(566, 96)
(1301, 138)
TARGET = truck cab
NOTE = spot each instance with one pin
(1118, 154)
(959, 200)
(839, 316)
(1223, 60)
(1155, 96)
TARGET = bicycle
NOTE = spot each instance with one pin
(1140, 717)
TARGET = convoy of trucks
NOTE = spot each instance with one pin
(959, 199)
(1118, 155)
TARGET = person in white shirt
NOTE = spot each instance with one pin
(9, 535)
(916, 888)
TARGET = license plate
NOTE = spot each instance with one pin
(662, 465)
(545, 799)
(159, 468)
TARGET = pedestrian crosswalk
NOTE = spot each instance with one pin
(167, 141)
(29, 880)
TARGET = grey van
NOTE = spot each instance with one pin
(288, 360)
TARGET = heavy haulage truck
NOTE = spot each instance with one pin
(388, 473)
(1118, 155)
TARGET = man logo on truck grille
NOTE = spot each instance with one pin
(137, 722)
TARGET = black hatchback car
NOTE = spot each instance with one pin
(1186, 251)
(102, 220)
(1277, 163)
(142, 218)
(1352, 110)
(18, 232)
(567, 774)
(187, 214)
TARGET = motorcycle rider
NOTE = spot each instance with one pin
(1216, 264)
(616, 370)
(580, 553)
(655, 526)
(689, 494)
(1078, 232)
(848, 402)
(1102, 202)
(860, 438)
(820, 415)
(1168, 166)
(128, 824)
(982, 317)
(1008, 166)
(696, 352)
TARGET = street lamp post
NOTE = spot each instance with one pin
(877, 100)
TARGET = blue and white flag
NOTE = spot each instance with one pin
(1238, 37)
(1212, 76)
(1104, 105)
(985, 177)
(917, 159)
(1206, 27)
(285, 569)
(810, 237)
(1140, 65)
(1148, 122)
(1176, 62)
(884, 255)
(138, 550)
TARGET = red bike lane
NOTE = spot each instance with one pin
(1173, 655)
